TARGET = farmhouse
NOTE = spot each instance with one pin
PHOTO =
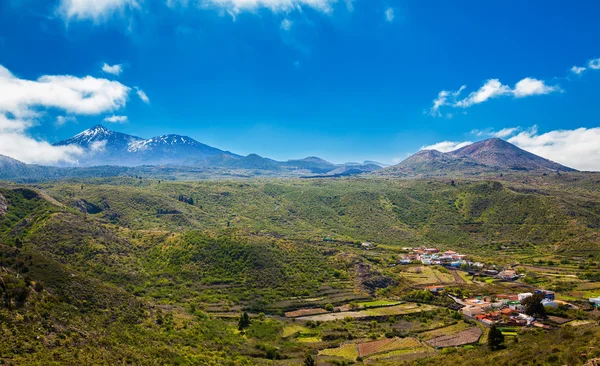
(435, 289)
(595, 301)
(508, 275)
(471, 311)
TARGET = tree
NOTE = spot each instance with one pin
(309, 361)
(495, 338)
(244, 321)
(534, 307)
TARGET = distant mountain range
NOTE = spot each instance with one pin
(109, 153)
(492, 155)
(105, 147)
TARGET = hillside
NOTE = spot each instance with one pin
(120, 270)
(484, 157)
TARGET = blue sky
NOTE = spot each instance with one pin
(346, 81)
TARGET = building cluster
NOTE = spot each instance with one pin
(433, 256)
(506, 309)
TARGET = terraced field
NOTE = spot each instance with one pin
(402, 309)
(386, 345)
(347, 351)
(449, 330)
(468, 336)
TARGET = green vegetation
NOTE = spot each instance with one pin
(121, 270)
(495, 338)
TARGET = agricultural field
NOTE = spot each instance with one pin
(467, 336)
(403, 309)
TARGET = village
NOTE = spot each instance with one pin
(504, 309)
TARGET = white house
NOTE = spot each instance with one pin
(595, 300)
(524, 295)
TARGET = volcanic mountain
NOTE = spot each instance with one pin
(105, 147)
(492, 155)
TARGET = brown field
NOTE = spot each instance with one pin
(386, 345)
(305, 312)
(468, 336)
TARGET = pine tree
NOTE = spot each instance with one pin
(244, 321)
(495, 338)
(309, 361)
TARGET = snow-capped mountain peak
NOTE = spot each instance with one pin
(123, 149)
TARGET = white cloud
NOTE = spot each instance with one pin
(116, 119)
(140, 93)
(594, 64)
(114, 69)
(23, 102)
(578, 70)
(95, 10)
(97, 146)
(286, 24)
(579, 148)
(16, 144)
(237, 6)
(389, 15)
(87, 95)
(491, 89)
(446, 146)
(442, 100)
(531, 86)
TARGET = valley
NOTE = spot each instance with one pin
(147, 271)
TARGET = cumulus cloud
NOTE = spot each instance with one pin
(87, 95)
(531, 86)
(447, 146)
(114, 69)
(115, 119)
(23, 102)
(16, 144)
(389, 15)
(490, 89)
(95, 10)
(578, 70)
(140, 93)
(579, 148)
(286, 24)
